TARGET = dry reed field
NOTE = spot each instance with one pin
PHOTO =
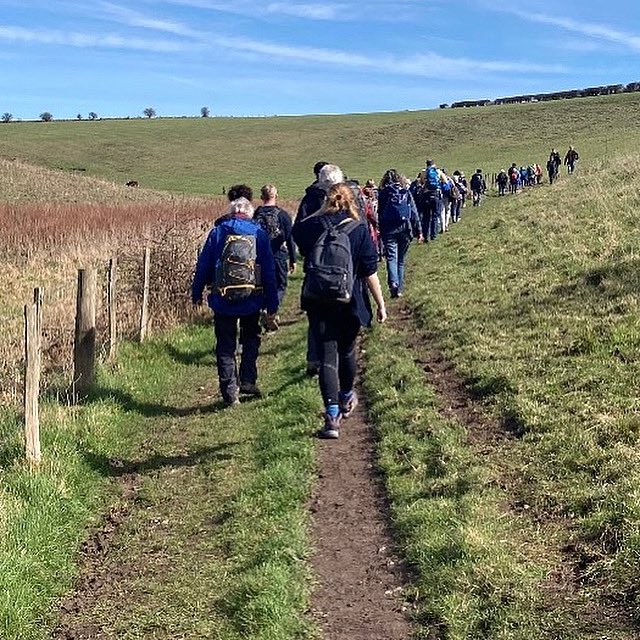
(53, 223)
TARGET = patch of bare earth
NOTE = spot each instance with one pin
(360, 582)
(566, 589)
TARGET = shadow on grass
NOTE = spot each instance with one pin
(191, 358)
(129, 403)
(115, 467)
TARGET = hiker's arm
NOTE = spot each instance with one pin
(373, 283)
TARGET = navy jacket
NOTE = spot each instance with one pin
(266, 297)
(311, 202)
(412, 228)
(363, 254)
(282, 247)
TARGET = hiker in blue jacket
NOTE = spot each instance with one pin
(237, 295)
(335, 324)
(399, 224)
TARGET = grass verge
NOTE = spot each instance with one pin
(215, 543)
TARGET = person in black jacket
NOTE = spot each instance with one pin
(277, 223)
(335, 325)
(314, 197)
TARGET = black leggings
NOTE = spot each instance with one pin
(335, 336)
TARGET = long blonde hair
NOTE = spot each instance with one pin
(340, 198)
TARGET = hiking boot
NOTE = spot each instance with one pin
(250, 389)
(313, 369)
(232, 400)
(347, 406)
(331, 428)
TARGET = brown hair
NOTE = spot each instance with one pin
(340, 198)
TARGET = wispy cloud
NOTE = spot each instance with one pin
(593, 30)
(132, 18)
(424, 65)
(88, 40)
(309, 11)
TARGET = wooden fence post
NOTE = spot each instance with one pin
(33, 358)
(84, 351)
(111, 303)
(144, 314)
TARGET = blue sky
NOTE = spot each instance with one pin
(257, 57)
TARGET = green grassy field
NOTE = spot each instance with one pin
(202, 155)
(533, 300)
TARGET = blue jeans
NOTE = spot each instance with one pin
(396, 246)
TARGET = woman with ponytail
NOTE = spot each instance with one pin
(335, 324)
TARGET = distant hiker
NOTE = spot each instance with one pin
(478, 187)
(431, 201)
(340, 264)
(399, 223)
(502, 181)
(570, 160)
(277, 223)
(552, 169)
(370, 193)
(538, 171)
(456, 197)
(237, 264)
(314, 194)
(314, 197)
(514, 178)
(553, 165)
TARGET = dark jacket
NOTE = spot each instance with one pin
(265, 297)
(311, 202)
(283, 246)
(412, 227)
(363, 254)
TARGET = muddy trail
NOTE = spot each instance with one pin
(154, 567)
(360, 580)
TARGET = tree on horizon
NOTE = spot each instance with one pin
(204, 112)
(149, 112)
(93, 115)
(45, 116)
(7, 117)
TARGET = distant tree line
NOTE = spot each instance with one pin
(605, 90)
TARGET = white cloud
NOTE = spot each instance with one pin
(132, 18)
(308, 11)
(88, 40)
(423, 65)
(590, 29)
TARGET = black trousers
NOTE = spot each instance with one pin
(335, 336)
(226, 329)
(282, 274)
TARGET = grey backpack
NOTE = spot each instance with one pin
(329, 274)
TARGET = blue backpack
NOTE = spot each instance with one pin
(433, 178)
(398, 207)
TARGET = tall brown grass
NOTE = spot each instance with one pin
(43, 244)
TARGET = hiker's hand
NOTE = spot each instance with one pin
(292, 268)
(382, 314)
(272, 322)
(420, 239)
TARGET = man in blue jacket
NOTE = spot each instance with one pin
(238, 265)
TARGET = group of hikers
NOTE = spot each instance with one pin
(342, 231)
(516, 178)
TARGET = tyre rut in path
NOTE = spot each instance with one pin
(491, 437)
(359, 592)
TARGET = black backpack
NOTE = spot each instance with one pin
(329, 276)
(269, 219)
(476, 182)
(397, 209)
(236, 267)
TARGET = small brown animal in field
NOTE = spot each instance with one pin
(131, 183)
